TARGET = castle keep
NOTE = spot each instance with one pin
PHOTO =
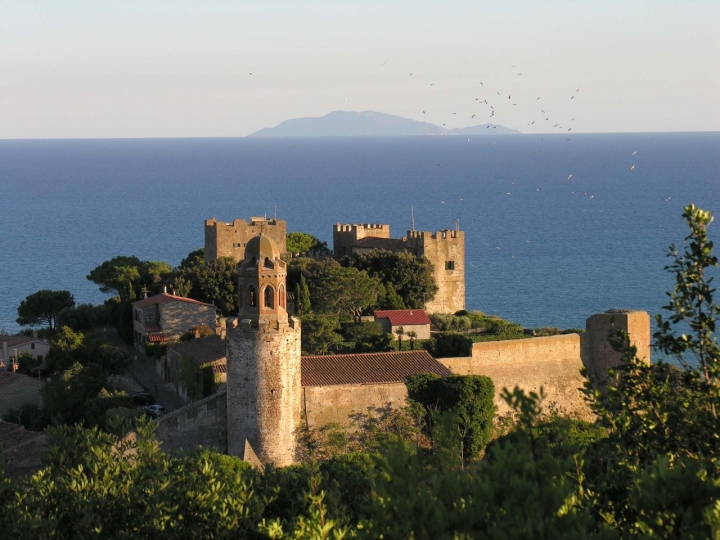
(230, 239)
(444, 248)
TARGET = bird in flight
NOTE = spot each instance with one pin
(572, 97)
(442, 202)
(635, 152)
(569, 176)
(423, 112)
(473, 116)
(632, 168)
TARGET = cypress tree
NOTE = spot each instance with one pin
(303, 297)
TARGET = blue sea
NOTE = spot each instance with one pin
(542, 247)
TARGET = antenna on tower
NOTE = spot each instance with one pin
(412, 217)
(457, 224)
(275, 214)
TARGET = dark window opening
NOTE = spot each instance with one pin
(449, 265)
(269, 297)
(252, 297)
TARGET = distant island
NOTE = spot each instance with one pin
(370, 124)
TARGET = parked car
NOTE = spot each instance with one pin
(143, 398)
(156, 411)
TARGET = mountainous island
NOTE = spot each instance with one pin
(370, 124)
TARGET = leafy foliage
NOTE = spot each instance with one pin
(302, 297)
(319, 334)
(469, 397)
(298, 242)
(345, 293)
(43, 307)
(126, 276)
(215, 283)
(411, 277)
(83, 317)
(449, 345)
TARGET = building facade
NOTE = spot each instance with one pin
(230, 239)
(166, 317)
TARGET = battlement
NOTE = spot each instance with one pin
(228, 239)
(441, 234)
(252, 222)
(338, 227)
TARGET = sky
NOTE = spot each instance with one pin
(213, 68)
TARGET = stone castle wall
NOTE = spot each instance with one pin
(551, 362)
(229, 239)
(349, 404)
(179, 317)
(203, 423)
(264, 392)
(344, 236)
(555, 362)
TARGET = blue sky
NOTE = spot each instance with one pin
(182, 69)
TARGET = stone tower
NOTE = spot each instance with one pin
(263, 354)
(230, 239)
(446, 250)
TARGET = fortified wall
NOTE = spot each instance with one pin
(346, 236)
(203, 423)
(229, 239)
(554, 362)
(445, 249)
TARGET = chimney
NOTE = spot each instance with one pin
(197, 334)
(34, 334)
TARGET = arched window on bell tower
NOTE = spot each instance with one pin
(269, 297)
(252, 296)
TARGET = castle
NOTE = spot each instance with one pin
(272, 392)
(230, 239)
(445, 249)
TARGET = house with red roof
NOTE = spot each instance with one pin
(165, 317)
(410, 320)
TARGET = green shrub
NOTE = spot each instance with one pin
(468, 397)
(448, 345)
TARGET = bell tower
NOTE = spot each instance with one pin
(263, 352)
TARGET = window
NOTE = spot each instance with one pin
(236, 245)
(449, 265)
(269, 297)
(32, 345)
(252, 298)
(40, 358)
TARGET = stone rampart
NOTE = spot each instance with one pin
(347, 404)
(203, 423)
(551, 362)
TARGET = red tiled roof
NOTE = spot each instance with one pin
(156, 337)
(219, 368)
(201, 351)
(8, 377)
(399, 317)
(387, 367)
(152, 326)
(164, 298)
(389, 244)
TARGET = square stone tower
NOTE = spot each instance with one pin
(446, 250)
(230, 239)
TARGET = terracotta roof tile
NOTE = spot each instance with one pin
(398, 317)
(164, 298)
(157, 337)
(387, 367)
(219, 368)
(201, 351)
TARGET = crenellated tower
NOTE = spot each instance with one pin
(263, 354)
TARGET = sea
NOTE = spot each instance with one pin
(557, 227)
